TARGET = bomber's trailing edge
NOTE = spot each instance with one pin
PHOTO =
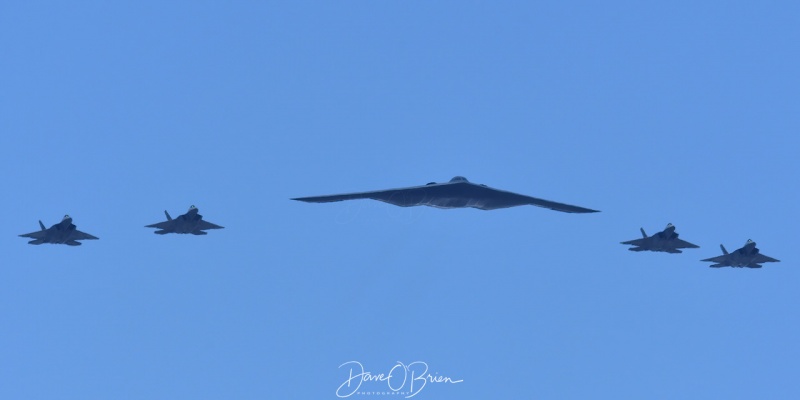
(747, 256)
(63, 232)
(458, 193)
(191, 222)
(666, 241)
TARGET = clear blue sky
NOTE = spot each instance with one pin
(684, 112)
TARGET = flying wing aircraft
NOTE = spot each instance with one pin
(748, 256)
(63, 232)
(666, 241)
(191, 222)
(458, 193)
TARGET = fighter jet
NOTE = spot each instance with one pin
(666, 241)
(747, 256)
(63, 232)
(191, 222)
(458, 193)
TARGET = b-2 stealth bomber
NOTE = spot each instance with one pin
(666, 241)
(748, 256)
(458, 193)
(191, 222)
(63, 232)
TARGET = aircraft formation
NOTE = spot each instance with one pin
(667, 241)
(457, 193)
(65, 231)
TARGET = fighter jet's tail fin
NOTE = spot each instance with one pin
(167, 214)
(41, 225)
(644, 235)
(723, 249)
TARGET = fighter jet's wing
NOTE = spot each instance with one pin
(682, 244)
(161, 225)
(723, 259)
(203, 224)
(78, 235)
(760, 258)
(636, 242)
(35, 235)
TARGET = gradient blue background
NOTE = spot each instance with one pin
(684, 112)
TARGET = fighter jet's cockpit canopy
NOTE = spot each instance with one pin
(458, 179)
(192, 207)
(66, 217)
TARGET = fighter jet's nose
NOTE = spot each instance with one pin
(459, 179)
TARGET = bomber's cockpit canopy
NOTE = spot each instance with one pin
(458, 179)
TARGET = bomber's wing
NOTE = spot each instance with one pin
(760, 258)
(78, 235)
(495, 198)
(203, 224)
(682, 244)
(403, 197)
(563, 207)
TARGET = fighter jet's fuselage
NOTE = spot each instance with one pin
(187, 223)
(668, 233)
(745, 256)
(748, 249)
(658, 244)
(60, 233)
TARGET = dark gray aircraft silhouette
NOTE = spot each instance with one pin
(458, 193)
(666, 241)
(191, 222)
(63, 232)
(747, 256)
